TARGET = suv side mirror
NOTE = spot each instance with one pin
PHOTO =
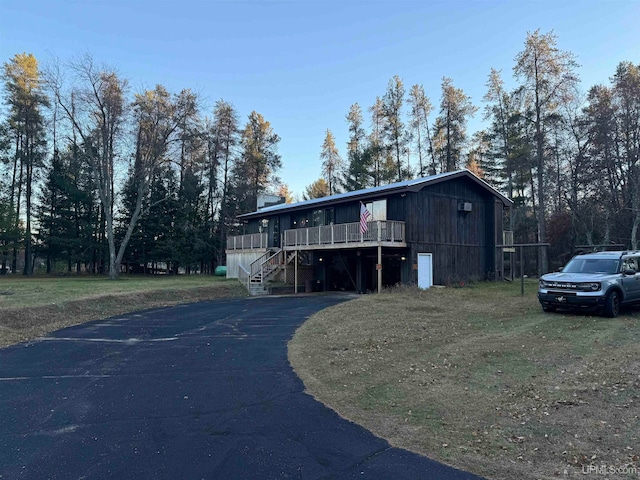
(629, 271)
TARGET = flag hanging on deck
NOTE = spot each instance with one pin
(364, 218)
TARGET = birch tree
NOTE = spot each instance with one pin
(97, 110)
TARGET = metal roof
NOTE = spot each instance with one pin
(408, 185)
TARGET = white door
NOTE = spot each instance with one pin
(425, 270)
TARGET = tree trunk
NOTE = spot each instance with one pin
(117, 259)
(543, 265)
(28, 261)
(635, 196)
(449, 161)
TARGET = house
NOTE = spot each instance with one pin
(441, 229)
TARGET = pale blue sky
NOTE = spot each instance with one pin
(301, 64)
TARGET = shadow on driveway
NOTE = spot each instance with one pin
(201, 391)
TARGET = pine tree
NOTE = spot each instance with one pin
(501, 113)
(420, 110)
(25, 99)
(224, 138)
(377, 152)
(548, 81)
(450, 127)
(394, 129)
(317, 189)
(54, 214)
(331, 162)
(189, 245)
(9, 234)
(358, 174)
(254, 172)
(160, 221)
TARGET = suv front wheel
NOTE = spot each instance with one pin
(612, 304)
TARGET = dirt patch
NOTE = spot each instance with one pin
(27, 323)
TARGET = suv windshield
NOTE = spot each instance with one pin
(592, 265)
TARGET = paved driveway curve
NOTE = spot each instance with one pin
(200, 391)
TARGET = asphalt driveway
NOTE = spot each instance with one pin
(200, 391)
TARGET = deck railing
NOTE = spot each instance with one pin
(248, 242)
(264, 265)
(345, 233)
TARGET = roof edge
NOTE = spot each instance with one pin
(414, 185)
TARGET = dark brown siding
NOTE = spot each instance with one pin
(347, 212)
(285, 222)
(462, 243)
(451, 263)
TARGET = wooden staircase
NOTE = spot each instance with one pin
(262, 270)
(256, 277)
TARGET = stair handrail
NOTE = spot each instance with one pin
(273, 259)
(258, 266)
(244, 277)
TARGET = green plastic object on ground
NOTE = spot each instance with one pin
(220, 271)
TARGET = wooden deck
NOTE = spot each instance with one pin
(387, 233)
(248, 242)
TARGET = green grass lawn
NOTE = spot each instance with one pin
(18, 291)
(481, 378)
(32, 307)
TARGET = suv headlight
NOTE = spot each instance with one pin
(542, 284)
(589, 286)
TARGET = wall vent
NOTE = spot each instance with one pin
(464, 206)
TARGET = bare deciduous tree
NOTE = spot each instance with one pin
(548, 81)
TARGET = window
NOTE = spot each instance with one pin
(328, 216)
(322, 217)
(630, 264)
(263, 225)
(377, 209)
(317, 218)
(592, 265)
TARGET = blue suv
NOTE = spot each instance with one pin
(603, 280)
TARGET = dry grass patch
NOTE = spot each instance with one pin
(480, 378)
(30, 308)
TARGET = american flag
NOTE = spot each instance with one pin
(364, 218)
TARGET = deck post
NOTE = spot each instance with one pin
(379, 268)
(295, 272)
